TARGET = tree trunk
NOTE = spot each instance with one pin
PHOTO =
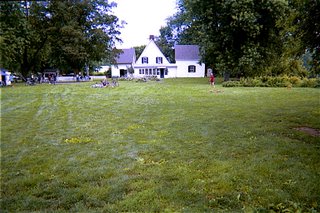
(226, 76)
(25, 65)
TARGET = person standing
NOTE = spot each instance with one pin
(212, 80)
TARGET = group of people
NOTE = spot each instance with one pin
(80, 77)
(106, 83)
(52, 78)
(6, 80)
(41, 78)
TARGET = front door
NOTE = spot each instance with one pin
(161, 73)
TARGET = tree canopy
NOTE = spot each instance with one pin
(306, 16)
(237, 37)
(68, 35)
(249, 37)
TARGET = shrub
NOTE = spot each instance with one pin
(148, 78)
(98, 74)
(294, 80)
(311, 82)
(246, 82)
(277, 81)
(231, 84)
(141, 80)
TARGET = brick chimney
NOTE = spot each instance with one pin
(151, 37)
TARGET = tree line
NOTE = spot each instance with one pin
(236, 37)
(249, 37)
(69, 35)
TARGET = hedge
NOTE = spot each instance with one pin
(278, 81)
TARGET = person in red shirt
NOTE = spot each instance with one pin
(212, 80)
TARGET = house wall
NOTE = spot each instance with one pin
(152, 51)
(182, 69)
(179, 69)
(171, 71)
(115, 69)
(104, 69)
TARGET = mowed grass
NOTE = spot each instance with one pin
(168, 146)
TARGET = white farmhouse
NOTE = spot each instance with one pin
(152, 62)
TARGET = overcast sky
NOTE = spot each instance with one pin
(144, 18)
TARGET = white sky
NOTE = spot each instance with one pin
(144, 18)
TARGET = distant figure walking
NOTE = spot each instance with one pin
(212, 80)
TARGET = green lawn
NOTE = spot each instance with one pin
(169, 146)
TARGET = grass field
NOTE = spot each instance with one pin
(168, 146)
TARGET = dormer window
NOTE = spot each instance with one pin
(159, 60)
(144, 60)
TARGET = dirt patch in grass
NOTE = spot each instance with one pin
(309, 131)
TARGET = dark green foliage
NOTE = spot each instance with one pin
(24, 36)
(247, 38)
(139, 50)
(231, 84)
(166, 43)
(68, 35)
(308, 28)
(235, 36)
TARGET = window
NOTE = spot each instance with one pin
(159, 60)
(191, 68)
(144, 60)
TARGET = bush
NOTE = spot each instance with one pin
(231, 84)
(294, 80)
(278, 81)
(148, 78)
(98, 74)
(312, 82)
(252, 82)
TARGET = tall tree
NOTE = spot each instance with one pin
(166, 43)
(84, 32)
(23, 38)
(236, 36)
(139, 50)
(305, 27)
(65, 34)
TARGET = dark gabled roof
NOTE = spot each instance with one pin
(127, 56)
(187, 52)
